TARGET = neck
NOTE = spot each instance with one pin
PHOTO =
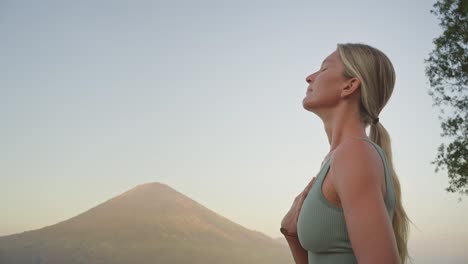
(343, 124)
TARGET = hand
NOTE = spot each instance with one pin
(289, 222)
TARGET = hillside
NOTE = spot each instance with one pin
(151, 223)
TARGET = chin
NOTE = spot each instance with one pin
(307, 104)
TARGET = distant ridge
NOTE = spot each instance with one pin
(150, 223)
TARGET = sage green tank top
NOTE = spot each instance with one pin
(321, 225)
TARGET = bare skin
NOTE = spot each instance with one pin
(290, 219)
(355, 181)
(289, 223)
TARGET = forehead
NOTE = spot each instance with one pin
(333, 57)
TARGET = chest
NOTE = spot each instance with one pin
(321, 224)
(328, 189)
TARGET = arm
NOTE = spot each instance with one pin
(358, 175)
(299, 254)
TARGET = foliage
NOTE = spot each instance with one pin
(447, 70)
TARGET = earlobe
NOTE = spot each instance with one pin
(352, 85)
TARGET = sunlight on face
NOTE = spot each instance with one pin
(325, 84)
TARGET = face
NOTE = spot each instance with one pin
(325, 85)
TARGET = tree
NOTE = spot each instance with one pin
(447, 70)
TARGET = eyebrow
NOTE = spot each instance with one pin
(325, 60)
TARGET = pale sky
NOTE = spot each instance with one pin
(97, 97)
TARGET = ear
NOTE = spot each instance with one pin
(352, 85)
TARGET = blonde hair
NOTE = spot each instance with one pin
(375, 71)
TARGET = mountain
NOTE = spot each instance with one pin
(151, 223)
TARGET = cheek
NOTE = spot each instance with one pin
(330, 83)
(323, 80)
(323, 84)
(326, 93)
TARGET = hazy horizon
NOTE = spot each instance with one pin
(206, 97)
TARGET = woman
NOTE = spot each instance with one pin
(351, 212)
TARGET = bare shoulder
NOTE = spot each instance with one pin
(356, 165)
(358, 178)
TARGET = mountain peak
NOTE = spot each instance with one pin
(151, 185)
(151, 221)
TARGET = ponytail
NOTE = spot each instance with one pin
(377, 75)
(380, 136)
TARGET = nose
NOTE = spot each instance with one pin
(309, 78)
